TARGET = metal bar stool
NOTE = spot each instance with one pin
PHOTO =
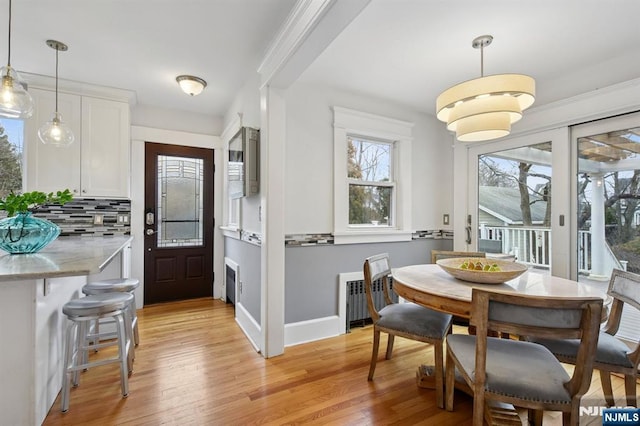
(128, 285)
(81, 312)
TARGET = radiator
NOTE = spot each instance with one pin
(357, 310)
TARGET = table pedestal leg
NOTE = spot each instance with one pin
(495, 413)
(425, 377)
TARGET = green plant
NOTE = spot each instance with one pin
(22, 203)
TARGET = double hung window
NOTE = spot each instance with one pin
(372, 177)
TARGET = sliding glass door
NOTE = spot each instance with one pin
(607, 196)
(516, 200)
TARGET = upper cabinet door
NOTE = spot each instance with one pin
(105, 157)
(50, 168)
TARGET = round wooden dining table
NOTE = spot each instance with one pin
(429, 285)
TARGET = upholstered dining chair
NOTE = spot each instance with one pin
(406, 320)
(448, 254)
(518, 372)
(612, 355)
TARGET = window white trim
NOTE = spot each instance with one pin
(350, 122)
(232, 208)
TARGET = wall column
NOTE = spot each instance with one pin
(598, 240)
(272, 167)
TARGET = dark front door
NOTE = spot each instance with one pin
(178, 239)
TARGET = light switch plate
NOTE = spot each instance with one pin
(98, 219)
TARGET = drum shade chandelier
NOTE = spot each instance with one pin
(484, 108)
(55, 132)
(191, 85)
(15, 101)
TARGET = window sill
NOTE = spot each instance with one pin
(371, 236)
(230, 232)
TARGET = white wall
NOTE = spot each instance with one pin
(247, 103)
(171, 119)
(309, 159)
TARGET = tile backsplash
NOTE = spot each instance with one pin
(89, 217)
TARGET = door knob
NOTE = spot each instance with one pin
(150, 231)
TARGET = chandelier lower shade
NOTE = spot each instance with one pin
(15, 101)
(484, 127)
(484, 108)
(55, 132)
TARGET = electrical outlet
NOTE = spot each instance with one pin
(240, 287)
(123, 218)
(98, 219)
(445, 219)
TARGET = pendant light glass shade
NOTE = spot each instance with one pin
(484, 108)
(15, 101)
(55, 132)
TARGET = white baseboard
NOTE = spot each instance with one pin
(249, 326)
(311, 330)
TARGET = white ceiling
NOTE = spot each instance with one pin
(409, 51)
(406, 51)
(142, 45)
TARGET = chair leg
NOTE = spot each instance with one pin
(129, 345)
(478, 408)
(630, 390)
(390, 346)
(450, 382)
(535, 417)
(123, 342)
(134, 320)
(605, 379)
(439, 361)
(374, 353)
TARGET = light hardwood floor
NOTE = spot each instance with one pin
(195, 367)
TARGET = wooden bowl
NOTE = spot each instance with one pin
(508, 270)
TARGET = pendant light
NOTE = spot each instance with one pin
(484, 108)
(15, 101)
(55, 132)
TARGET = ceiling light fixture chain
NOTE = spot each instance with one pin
(480, 43)
(58, 46)
(9, 38)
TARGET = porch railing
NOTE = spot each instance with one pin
(532, 245)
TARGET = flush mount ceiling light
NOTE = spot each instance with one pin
(484, 108)
(15, 101)
(55, 132)
(191, 85)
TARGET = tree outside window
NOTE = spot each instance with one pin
(11, 137)
(369, 173)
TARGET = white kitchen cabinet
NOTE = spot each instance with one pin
(49, 168)
(97, 163)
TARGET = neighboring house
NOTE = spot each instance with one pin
(499, 206)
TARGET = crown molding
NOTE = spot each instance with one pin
(79, 88)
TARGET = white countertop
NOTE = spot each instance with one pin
(66, 256)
